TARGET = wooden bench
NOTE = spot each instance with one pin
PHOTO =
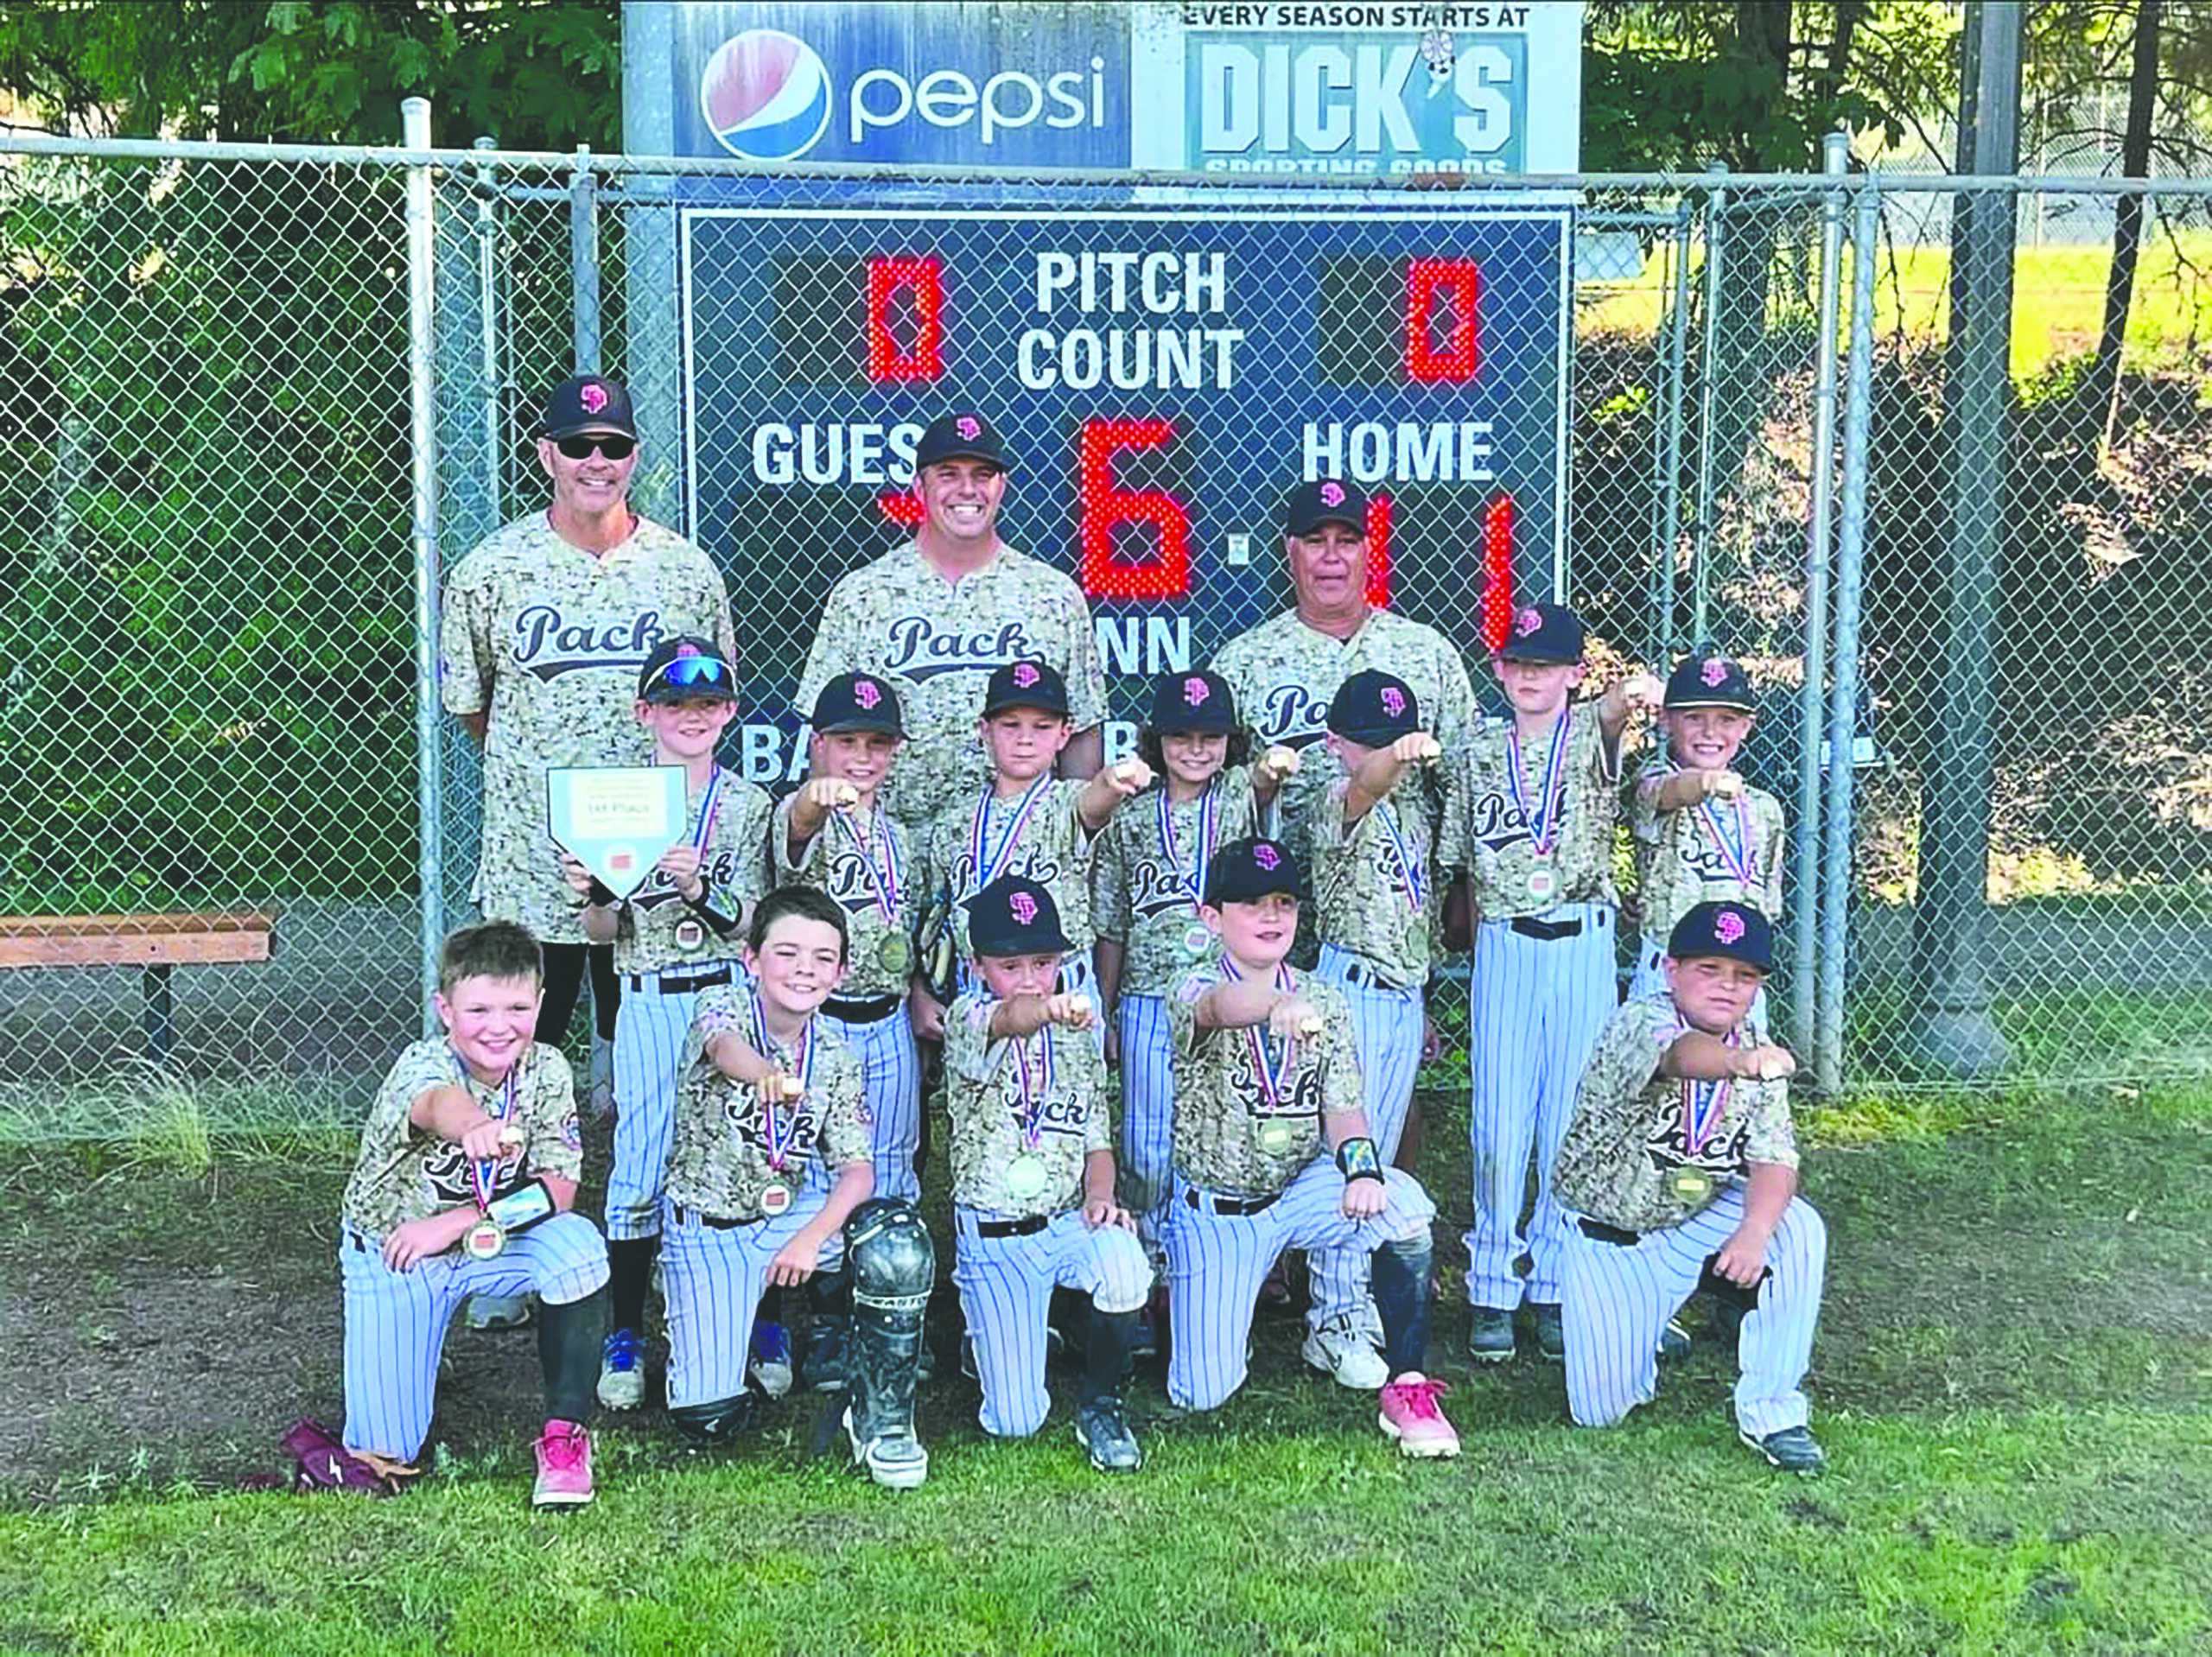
(152, 942)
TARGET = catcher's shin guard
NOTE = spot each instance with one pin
(893, 1268)
(568, 1341)
(1400, 1285)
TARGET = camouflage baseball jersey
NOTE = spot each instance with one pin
(1144, 898)
(991, 1115)
(650, 926)
(1053, 848)
(1681, 862)
(1632, 1127)
(718, 1159)
(1506, 875)
(937, 641)
(549, 641)
(1283, 674)
(1229, 1136)
(1366, 900)
(863, 860)
(404, 1174)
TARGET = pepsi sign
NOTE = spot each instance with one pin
(1014, 86)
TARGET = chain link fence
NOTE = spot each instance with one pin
(207, 590)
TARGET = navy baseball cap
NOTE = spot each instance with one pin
(588, 402)
(1014, 915)
(1184, 703)
(1710, 679)
(1245, 871)
(689, 669)
(960, 437)
(857, 701)
(1027, 684)
(1330, 501)
(1543, 632)
(1374, 709)
(1737, 931)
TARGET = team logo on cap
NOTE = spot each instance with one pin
(1332, 494)
(682, 650)
(1714, 672)
(1266, 858)
(969, 427)
(866, 693)
(1728, 926)
(593, 396)
(1394, 703)
(1025, 674)
(1195, 691)
(1022, 907)
(1526, 623)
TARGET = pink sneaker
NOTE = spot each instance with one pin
(564, 1467)
(1410, 1416)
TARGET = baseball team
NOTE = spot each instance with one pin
(1176, 1002)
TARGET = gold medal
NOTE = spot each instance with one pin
(1417, 938)
(1277, 1135)
(1542, 883)
(1196, 942)
(1690, 1185)
(775, 1198)
(1026, 1178)
(690, 935)
(894, 955)
(485, 1239)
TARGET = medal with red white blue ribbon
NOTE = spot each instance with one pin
(488, 1236)
(1192, 882)
(1026, 1177)
(1276, 1134)
(776, 1196)
(1544, 817)
(1739, 856)
(989, 862)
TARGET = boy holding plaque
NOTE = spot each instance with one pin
(771, 1164)
(674, 936)
(1033, 1175)
(1373, 889)
(464, 1185)
(1150, 886)
(1027, 822)
(1272, 1152)
(1680, 1169)
(833, 835)
(1538, 814)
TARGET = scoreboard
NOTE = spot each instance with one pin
(1162, 375)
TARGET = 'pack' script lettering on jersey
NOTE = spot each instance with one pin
(1304, 1098)
(1292, 716)
(548, 645)
(1156, 888)
(446, 1170)
(742, 1110)
(660, 885)
(1063, 1116)
(920, 651)
(1497, 823)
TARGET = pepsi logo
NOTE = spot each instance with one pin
(766, 95)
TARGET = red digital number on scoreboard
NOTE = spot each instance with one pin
(887, 360)
(1107, 506)
(1454, 285)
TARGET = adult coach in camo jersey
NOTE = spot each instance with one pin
(938, 615)
(545, 627)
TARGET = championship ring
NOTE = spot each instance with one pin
(484, 1240)
(775, 1198)
(1690, 1185)
(1026, 1178)
(1277, 1136)
(894, 955)
(1542, 883)
(690, 935)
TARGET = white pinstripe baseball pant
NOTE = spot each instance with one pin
(1216, 1262)
(711, 1281)
(1006, 1287)
(1148, 1144)
(1535, 1007)
(891, 1078)
(1650, 979)
(1619, 1299)
(650, 1023)
(395, 1321)
(1386, 1031)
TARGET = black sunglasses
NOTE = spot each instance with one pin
(687, 672)
(612, 445)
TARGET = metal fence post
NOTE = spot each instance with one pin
(1819, 543)
(422, 258)
(1707, 398)
(1843, 705)
(487, 291)
(583, 260)
(1670, 486)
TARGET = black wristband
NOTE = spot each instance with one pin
(1357, 1158)
(523, 1207)
(602, 895)
(707, 910)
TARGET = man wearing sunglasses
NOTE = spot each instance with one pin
(545, 627)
